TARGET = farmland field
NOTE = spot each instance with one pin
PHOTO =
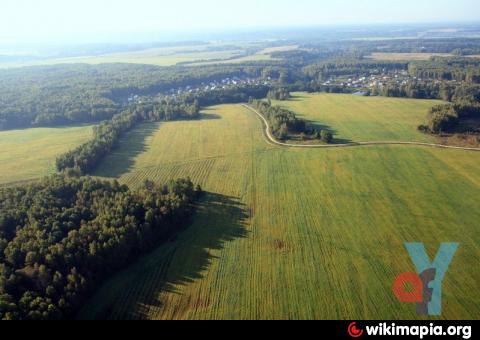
(361, 119)
(30, 154)
(406, 56)
(165, 56)
(294, 233)
(150, 57)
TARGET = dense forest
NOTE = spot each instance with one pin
(459, 117)
(349, 67)
(61, 237)
(458, 69)
(72, 94)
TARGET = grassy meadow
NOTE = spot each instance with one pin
(148, 57)
(168, 56)
(407, 56)
(364, 119)
(30, 154)
(295, 233)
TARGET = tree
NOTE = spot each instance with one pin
(55, 258)
(326, 136)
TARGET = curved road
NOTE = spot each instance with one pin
(272, 140)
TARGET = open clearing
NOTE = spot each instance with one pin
(31, 153)
(294, 233)
(364, 119)
(407, 56)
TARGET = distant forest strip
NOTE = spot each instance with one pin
(78, 93)
(61, 237)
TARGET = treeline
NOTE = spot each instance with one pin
(353, 67)
(61, 237)
(86, 157)
(284, 123)
(238, 94)
(430, 90)
(457, 46)
(279, 94)
(457, 69)
(448, 118)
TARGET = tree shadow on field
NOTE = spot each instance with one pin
(122, 159)
(319, 126)
(297, 98)
(209, 116)
(182, 261)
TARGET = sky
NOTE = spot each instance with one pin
(63, 20)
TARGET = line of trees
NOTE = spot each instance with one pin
(458, 69)
(451, 118)
(61, 237)
(349, 67)
(282, 121)
(279, 94)
(107, 134)
(430, 90)
(285, 124)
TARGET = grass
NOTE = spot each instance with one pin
(286, 48)
(149, 57)
(294, 233)
(407, 56)
(362, 119)
(198, 55)
(236, 60)
(31, 153)
(164, 56)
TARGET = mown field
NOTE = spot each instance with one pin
(293, 233)
(31, 153)
(362, 119)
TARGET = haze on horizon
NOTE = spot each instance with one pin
(34, 21)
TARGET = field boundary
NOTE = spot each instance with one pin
(272, 140)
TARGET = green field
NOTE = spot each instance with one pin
(406, 56)
(364, 119)
(31, 153)
(149, 57)
(294, 233)
(165, 56)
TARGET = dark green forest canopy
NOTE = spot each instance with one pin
(65, 94)
(61, 237)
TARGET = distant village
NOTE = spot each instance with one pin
(374, 82)
(361, 85)
(224, 84)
